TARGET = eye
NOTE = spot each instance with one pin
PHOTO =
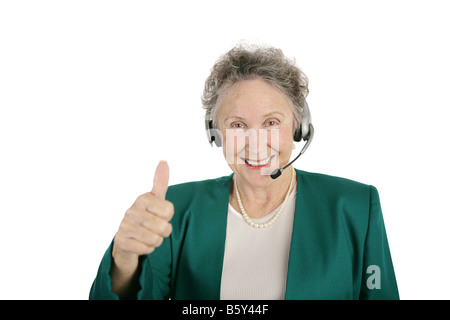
(237, 125)
(271, 123)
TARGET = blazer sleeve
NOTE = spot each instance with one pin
(154, 279)
(378, 280)
(101, 289)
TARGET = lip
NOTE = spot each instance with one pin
(258, 167)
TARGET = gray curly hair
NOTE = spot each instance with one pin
(246, 62)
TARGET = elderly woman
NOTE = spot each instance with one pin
(257, 233)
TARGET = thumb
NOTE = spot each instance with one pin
(161, 180)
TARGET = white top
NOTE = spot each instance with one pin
(255, 263)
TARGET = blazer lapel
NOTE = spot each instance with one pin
(297, 244)
(216, 235)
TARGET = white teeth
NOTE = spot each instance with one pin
(256, 163)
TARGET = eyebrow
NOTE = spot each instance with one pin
(264, 116)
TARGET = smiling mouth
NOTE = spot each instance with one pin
(258, 164)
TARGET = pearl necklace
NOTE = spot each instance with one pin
(275, 217)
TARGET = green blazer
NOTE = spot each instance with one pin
(339, 247)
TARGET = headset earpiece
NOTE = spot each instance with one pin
(298, 134)
(304, 132)
(212, 133)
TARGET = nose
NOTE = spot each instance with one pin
(257, 143)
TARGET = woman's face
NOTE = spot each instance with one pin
(256, 123)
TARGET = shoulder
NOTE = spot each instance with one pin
(200, 185)
(328, 187)
(350, 203)
(199, 203)
(325, 181)
(199, 190)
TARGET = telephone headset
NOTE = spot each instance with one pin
(305, 133)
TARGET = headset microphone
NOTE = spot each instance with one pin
(277, 172)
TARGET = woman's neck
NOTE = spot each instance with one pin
(260, 201)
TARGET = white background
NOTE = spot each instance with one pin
(94, 93)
